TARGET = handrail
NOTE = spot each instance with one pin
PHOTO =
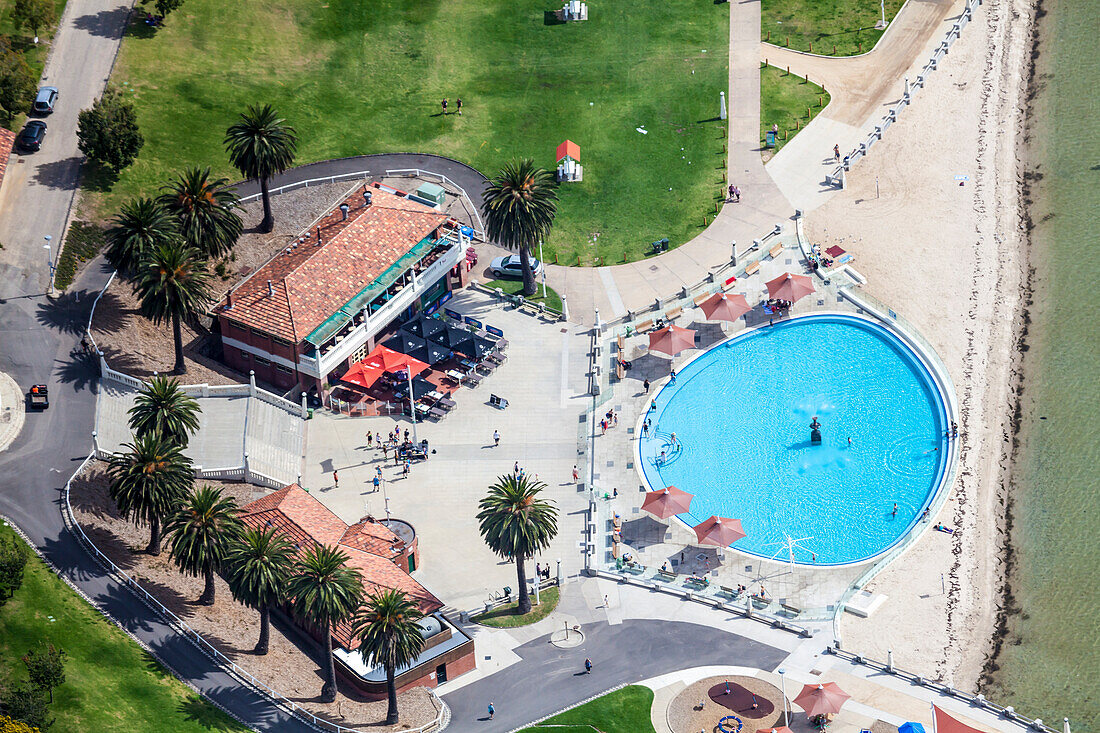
(420, 172)
(206, 647)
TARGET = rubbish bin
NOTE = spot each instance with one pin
(309, 414)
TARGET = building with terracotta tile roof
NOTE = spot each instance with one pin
(384, 559)
(376, 257)
(7, 142)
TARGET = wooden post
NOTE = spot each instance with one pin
(859, 45)
(788, 43)
(715, 207)
(811, 47)
(784, 134)
(834, 49)
(704, 220)
(807, 113)
(788, 70)
(769, 36)
(819, 101)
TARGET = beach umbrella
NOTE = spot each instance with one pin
(725, 307)
(389, 360)
(910, 728)
(836, 251)
(821, 699)
(719, 531)
(424, 327)
(421, 387)
(667, 502)
(416, 347)
(790, 287)
(362, 375)
(672, 340)
(452, 337)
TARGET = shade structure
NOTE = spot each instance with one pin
(568, 149)
(420, 387)
(392, 361)
(424, 327)
(944, 723)
(362, 375)
(719, 531)
(667, 502)
(725, 307)
(672, 340)
(910, 728)
(790, 287)
(416, 347)
(823, 698)
(836, 251)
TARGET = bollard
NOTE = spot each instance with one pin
(811, 47)
(788, 70)
(769, 38)
(834, 49)
(819, 101)
(808, 115)
(788, 43)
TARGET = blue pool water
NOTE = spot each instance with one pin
(741, 413)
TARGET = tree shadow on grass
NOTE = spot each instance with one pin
(98, 177)
(552, 17)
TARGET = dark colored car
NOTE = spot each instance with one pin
(45, 101)
(32, 136)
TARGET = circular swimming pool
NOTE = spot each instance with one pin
(741, 414)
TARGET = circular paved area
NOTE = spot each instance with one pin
(704, 703)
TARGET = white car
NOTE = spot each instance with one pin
(509, 267)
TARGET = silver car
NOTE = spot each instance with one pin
(509, 267)
(45, 100)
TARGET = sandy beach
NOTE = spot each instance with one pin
(933, 220)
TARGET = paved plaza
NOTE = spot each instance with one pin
(545, 384)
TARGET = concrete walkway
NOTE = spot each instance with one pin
(861, 88)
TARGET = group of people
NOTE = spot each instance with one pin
(610, 420)
(734, 194)
(458, 105)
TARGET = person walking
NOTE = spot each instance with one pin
(444, 103)
(377, 483)
(576, 475)
(496, 438)
(370, 439)
(405, 468)
(335, 480)
(645, 386)
(731, 189)
(587, 665)
(606, 603)
(458, 104)
(515, 468)
(836, 152)
(492, 711)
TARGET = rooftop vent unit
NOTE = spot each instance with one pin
(344, 211)
(270, 289)
(366, 198)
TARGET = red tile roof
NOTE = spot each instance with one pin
(309, 283)
(7, 142)
(304, 520)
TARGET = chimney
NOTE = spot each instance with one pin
(366, 198)
(318, 236)
(229, 300)
(270, 290)
(344, 210)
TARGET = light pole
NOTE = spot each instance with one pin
(49, 256)
(881, 25)
(783, 685)
(412, 403)
(543, 263)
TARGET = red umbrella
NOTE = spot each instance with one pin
(821, 699)
(389, 360)
(668, 502)
(672, 340)
(790, 287)
(725, 307)
(362, 375)
(719, 531)
(835, 251)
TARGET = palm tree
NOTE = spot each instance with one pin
(260, 146)
(519, 209)
(389, 636)
(516, 524)
(202, 531)
(324, 591)
(149, 481)
(205, 211)
(258, 567)
(140, 226)
(173, 284)
(161, 407)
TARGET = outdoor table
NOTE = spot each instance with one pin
(455, 375)
(434, 395)
(468, 364)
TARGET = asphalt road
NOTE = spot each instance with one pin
(553, 678)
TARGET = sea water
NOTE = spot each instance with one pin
(1049, 664)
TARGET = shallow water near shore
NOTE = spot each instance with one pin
(1049, 665)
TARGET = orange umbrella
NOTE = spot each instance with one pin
(725, 307)
(389, 360)
(362, 375)
(790, 287)
(821, 699)
(667, 502)
(672, 340)
(719, 531)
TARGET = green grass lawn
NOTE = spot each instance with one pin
(505, 616)
(511, 287)
(23, 40)
(357, 77)
(829, 27)
(784, 101)
(111, 684)
(622, 711)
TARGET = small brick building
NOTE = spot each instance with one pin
(377, 257)
(385, 553)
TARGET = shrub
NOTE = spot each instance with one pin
(83, 242)
(108, 132)
(13, 559)
(7, 725)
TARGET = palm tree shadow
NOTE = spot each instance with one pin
(110, 314)
(67, 314)
(198, 711)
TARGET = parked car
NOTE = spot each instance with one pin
(32, 136)
(46, 99)
(509, 267)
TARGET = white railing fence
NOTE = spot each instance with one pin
(836, 178)
(183, 628)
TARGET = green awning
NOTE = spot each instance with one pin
(340, 318)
